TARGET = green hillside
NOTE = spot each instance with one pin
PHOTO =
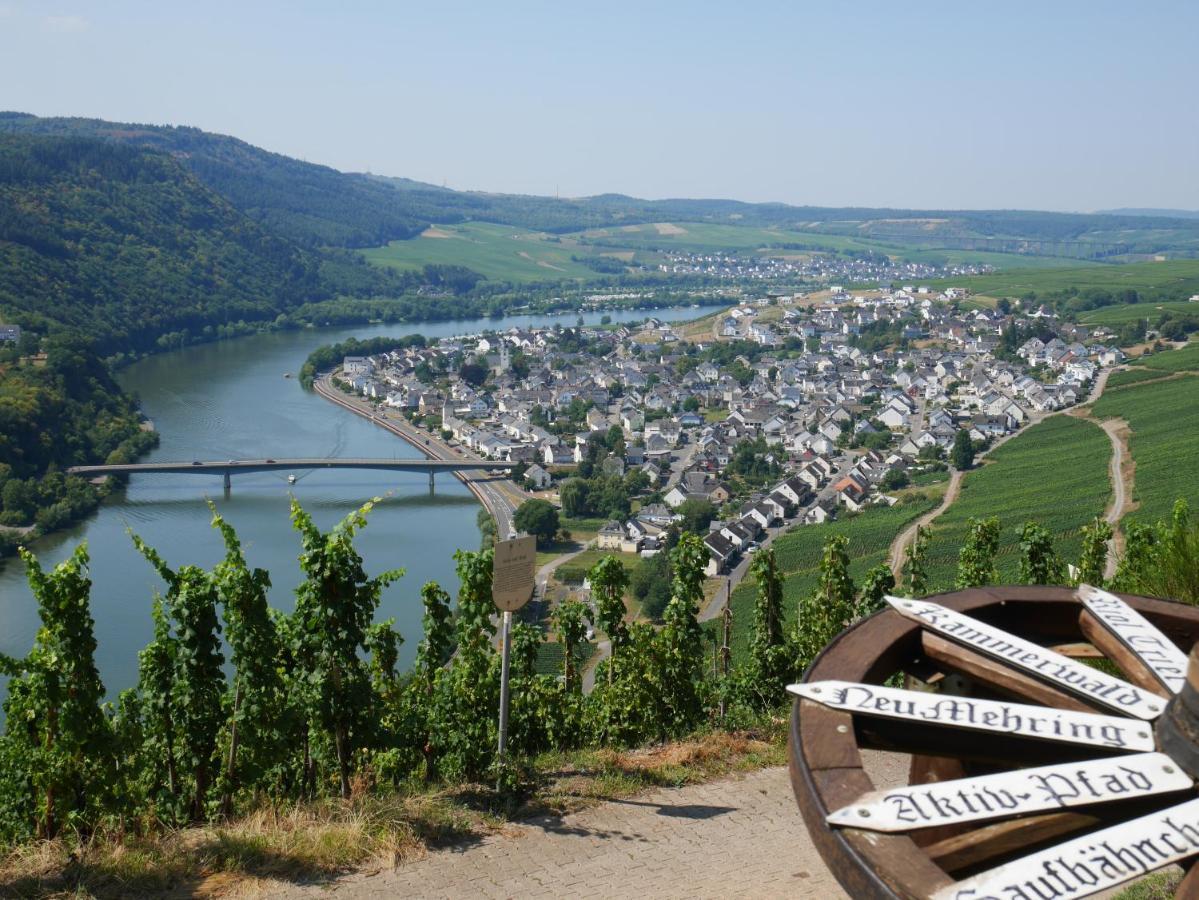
(499, 252)
(1170, 279)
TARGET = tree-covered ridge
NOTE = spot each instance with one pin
(122, 245)
(317, 205)
(56, 412)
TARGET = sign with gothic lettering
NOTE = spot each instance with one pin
(1040, 722)
(1061, 671)
(1134, 631)
(1092, 863)
(1014, 793)
(512, 573)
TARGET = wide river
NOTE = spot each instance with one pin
(230, 400)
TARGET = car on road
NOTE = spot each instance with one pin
(753, 547)
(196, 462)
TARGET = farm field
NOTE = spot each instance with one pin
(1131, 376)
(500, 252)
(798, 553)
(1115, 316)
(1164, 418)
(1055, 473)
(1180, 360)
(1170, 279)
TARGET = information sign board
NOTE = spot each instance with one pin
(1061, 671)
(1092, 863)
(512, 573)
(1040, 722)
(1134, 631)
(1014, 793)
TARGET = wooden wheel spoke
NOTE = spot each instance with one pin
(1147, 656)
(1038, 662)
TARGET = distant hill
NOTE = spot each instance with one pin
(1154, 213)
(316, 205)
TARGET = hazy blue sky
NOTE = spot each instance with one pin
(1045, 105)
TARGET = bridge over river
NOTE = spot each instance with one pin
(229, 468)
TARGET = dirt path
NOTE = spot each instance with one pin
(900, 545)
(1121, 473)
(737, 837)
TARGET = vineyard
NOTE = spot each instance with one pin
(1164, 418)
(1055, 473)
(1182, 360)
(798, 554)
(1131, 376)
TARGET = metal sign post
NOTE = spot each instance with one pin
(511, 588)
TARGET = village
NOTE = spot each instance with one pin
(783, 410)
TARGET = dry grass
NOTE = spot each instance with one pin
(263, 852)
(247, 857)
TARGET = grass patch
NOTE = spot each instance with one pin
(576, 570)
(1158, 886)
(500, 252)
(1164, 419)
(1126, 377)
(1183, 359)
(1166, 280)
(1054, 473)
(267, 851)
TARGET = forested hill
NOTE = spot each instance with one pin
(123, 246)
(319, 206)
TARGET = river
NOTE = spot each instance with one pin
(230, 400)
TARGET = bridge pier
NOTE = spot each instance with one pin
(430, 481)
(228, 482)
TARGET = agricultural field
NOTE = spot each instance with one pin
(1131, 376)
(798, 553)
(1055, 473)
(1164, 419)
(500, 252)
(1115, 316)
(1184, 359)
(1171, 278)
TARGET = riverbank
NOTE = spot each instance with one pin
(500, 497)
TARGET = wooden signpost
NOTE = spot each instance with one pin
(1014, 793)
(1092, 863)
(1039, 722)
(1061, 671)
(511, 588)
(1153, 649)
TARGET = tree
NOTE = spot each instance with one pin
(770, 663)
(1039, 564)
(962, 453)
(609, 581)
(915, 566)
(1093, 561)
(696, 513)
(682, 639)
(879, 582)
(473, 373)
(255, 740)
(831, 607)
(976, 559)
(574, 495)
(570, 621)
(691, 404)
(58, 766)
(894, 479)
(431, 655)
(538, 518)
(335, 606)
(198, 683)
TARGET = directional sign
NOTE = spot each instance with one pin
(1040, 722)
(1092, 863)
(512, 573)
(1134, 631)
(1061, 671)
(1014, 793)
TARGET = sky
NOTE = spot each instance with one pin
(1057, 105)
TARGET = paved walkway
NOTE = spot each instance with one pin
(738, 837)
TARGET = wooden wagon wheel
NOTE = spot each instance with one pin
(1054, 741)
